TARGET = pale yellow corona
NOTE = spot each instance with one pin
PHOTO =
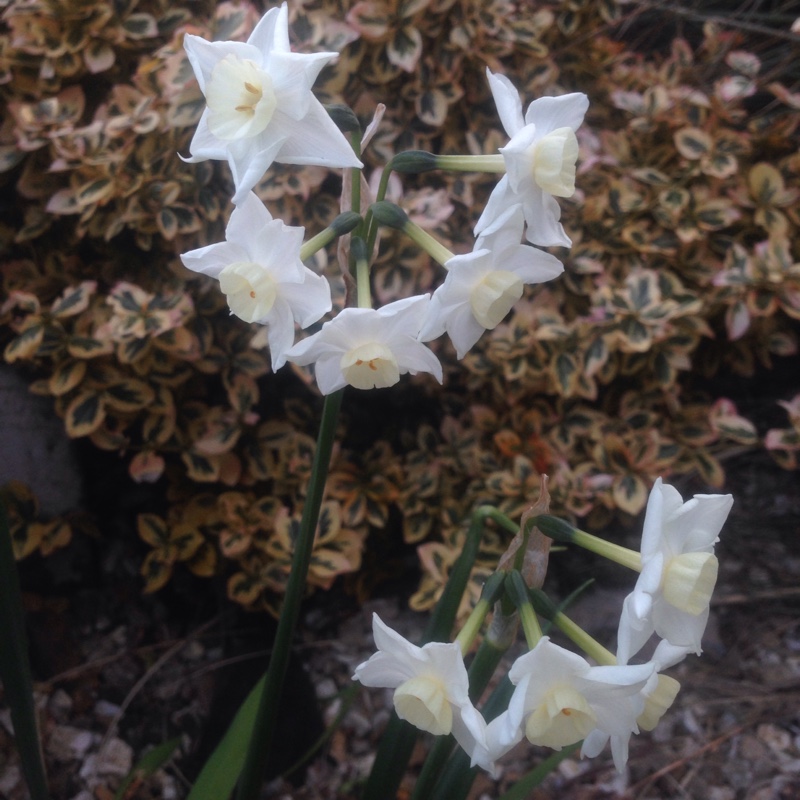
(688, 581)
(250, 290)
(240, 98)
(563, 717)
(369, 366)
(493, 297)
(657, 702)
(423, 702)
(553, 161)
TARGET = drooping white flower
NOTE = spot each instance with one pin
(560, 699)
(430, 682)
(482, 286)
(540, 160)
(260, 107)
(679, 571)
(369, 348)
(657, 695)
(259, 270)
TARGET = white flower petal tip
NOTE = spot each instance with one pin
(679, 571)
(540, 158)
(260, 107)
(369, 348)
(259, 270)
(481, 287)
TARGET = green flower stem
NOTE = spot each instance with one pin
(355, 174)
(393, 216)
(369, 221)
(358, 250)
(15, 671)
(530, 625)
(490, 512)
(490, 594)
(545, 606)
(252, 775)
(487, 163)
(615, 552)
(562, 531)
(344, 223)
(516, 588)
(433, 247)
(588, 644)
(416, 161)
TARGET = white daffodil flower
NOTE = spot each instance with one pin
(260, 107)
(540, 160)
(369, 348)
(679, 571)
(259, 270)
(482, 286)
(657, 695)
(430, 683)
(560, 699)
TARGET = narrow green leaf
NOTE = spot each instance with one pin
(218, 777)
(523, 788)
(15, 670)
(151, 761)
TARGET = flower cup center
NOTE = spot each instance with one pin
(493, 297)
(250, 290)
(563, 717)
(370, 366)
(423, 702)
(688, 581)
(240, 99)
(553, 161)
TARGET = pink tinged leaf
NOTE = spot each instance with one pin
(737, 320)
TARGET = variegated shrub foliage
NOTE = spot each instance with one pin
(684, 267)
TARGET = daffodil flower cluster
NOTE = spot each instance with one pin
(260, 109)
(559, 697)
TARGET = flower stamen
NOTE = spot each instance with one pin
(250, 290)
(371, 365)
(241, 99)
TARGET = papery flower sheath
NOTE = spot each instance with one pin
(430, 682)
(540, 160)
(369, 348)
(259, 105)
(678, 574)
(560, 699)
(259, 270)
(482, 286)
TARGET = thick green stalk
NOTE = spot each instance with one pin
(15, 670)
(253, 771)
